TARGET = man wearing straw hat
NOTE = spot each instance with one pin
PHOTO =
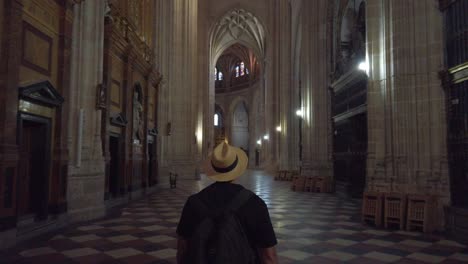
(216, 221)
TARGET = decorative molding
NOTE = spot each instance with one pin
(119, 120)
(32, 64)
(46, 11)
(42, 93)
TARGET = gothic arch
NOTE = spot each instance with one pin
(237, 26)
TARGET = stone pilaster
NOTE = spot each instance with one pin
(86, 181)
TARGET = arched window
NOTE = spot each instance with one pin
(241, 70)
(220, 76)
(216, 73)
(216, 120)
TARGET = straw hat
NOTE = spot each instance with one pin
(226, 163)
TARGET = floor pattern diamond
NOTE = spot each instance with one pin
(311, 228)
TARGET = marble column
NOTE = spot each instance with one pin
(316, 105)
(406, 110)
(86, 181)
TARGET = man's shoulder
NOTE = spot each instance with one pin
(255, 201)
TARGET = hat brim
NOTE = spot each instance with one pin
(231, 175)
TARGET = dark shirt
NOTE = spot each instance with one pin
(253, 215)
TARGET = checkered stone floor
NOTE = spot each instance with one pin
(311, 228)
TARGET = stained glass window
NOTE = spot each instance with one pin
(237, 71)
(216, 73)
(220, 76)
(242, 69)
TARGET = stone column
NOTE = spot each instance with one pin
(292, 127)
(316, 123)
(406, 115)
(86, 181)
(163, 60)
(283, 106)
(182, 88)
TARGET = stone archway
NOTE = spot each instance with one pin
(237, 26)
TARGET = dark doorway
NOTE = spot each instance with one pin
(349, 151)
(33, 185)
(150, 164)
(458, 143)
(457, 103)
(114, 149)
(350, 138)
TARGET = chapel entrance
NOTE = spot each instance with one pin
(33, 185)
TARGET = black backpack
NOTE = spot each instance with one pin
(220, 237)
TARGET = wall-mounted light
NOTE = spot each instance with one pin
(363, 66)
(259, 142)
(266, 137)
(300, 112)
(278, 128)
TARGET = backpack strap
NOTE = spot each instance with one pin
(241, 198)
